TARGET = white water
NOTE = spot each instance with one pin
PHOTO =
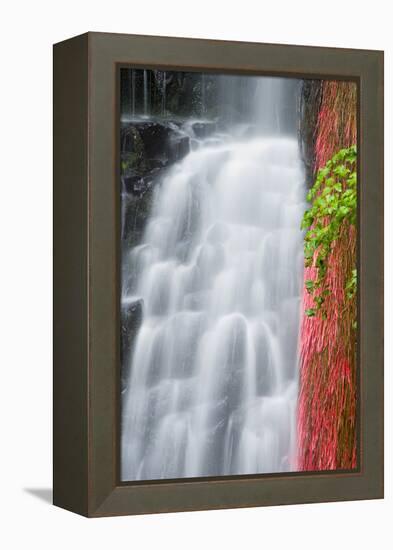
(213, 378)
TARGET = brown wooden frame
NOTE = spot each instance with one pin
(86, 274)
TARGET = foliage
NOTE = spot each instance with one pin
(333, 197)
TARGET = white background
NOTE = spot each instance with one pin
(28, 29)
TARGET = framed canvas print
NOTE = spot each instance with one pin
(218, 261)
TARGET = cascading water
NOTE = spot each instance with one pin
(145, 92)
(164, 94)
(212, 388)
(133, 93)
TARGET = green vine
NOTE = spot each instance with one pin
(333, 202)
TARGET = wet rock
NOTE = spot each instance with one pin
(162, 93)
(148, 147)
(311, 96)
(138, 185)
(180, 147)
(136, 206)
(204, 129)
(155, 137)
(151, 144)
(131, 320)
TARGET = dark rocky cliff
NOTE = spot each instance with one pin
(310, 103)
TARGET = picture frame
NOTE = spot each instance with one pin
(86, 404)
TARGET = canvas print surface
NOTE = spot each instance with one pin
(238, 275)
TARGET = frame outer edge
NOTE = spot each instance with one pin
(70, 314)
(371, 272)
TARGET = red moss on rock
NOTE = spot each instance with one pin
(327, 396)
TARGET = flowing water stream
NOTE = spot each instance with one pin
(212, 388)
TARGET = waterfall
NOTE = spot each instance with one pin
(212, 384)
(145, 91)
(133, 92)
(164, 93)
(276, 108)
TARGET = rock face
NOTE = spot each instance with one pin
(148, 149)
(184, 94)
(310, 105)
(131, 318)
(147, 145)
(204, 129)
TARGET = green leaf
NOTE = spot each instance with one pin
(341, 171)
(333, 202)
(310, 312)
(309, 285)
